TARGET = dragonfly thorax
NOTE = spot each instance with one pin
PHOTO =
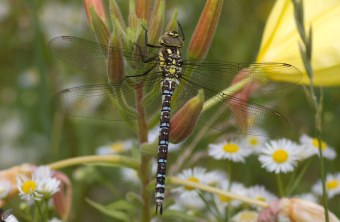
(170, 62)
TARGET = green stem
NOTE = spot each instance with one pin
(144, 164)
(280, 185)
(114, 159)
(214, 190)
(230, 177)
(323, 177)
(40, 210)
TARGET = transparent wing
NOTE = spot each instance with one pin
(111, 101)
(222, 110)
(5, 214)
(219, 75)
(93, 57)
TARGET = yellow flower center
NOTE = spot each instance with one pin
(191, 179)
(315, 143)
(261, 198)
(29, 186)
(280, 156)
(253, 141)
(117, 147)
(332, 184)
(230, 148)
(248, 216)
(224, 199)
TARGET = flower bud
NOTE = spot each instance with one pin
(295, 209)
(143, 8)
(115, 63)
(156, 22)
(100, 29)
(172, 25)
(184, 121)
(117, 18)
(205, 30)
(98, 7)
(63, 198)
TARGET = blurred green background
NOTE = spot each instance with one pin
(29, 76)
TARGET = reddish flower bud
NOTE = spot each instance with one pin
(205, 29)
(184, 121)
(100, 28)
(98, 8)
(115, 63)
(63, 198)
(156, 23)
(143, 8)
(117, 18)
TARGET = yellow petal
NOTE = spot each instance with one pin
(280, 39)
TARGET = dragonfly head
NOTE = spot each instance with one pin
(171, 38)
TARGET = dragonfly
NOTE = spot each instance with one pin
(166, 81)
(7, 216)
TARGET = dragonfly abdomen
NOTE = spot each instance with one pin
(168, 86)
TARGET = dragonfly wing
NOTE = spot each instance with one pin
(109, 101)
(227, 113)
(92, 56)
(219, 75)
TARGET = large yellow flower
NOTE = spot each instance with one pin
(280, 39)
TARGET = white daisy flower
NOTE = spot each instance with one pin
(114, 148)
(213, 178)
(130, 175)
(280, 156)
(245, 216)
(42, 172)
(5, 188)
(255, 143)
(185, 203)
(332, 185)
(196, 175)
(28, 188)
(235, 188)
(48, 187)
(228, 150)
(311, 147)
(54, 220)
(259, 192)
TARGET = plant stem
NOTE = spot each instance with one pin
(280, 184)
(175, 180)
(114, 159)
(144, 164)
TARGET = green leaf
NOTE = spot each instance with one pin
(121, 205)
(116, 214)
(176, 215)
(149, 148)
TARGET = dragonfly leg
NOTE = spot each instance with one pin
(181, 30)
(147, 41)
(144, 59)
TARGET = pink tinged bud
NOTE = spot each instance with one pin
(205, 30)
(143, 9)
(63, 198)
(102, 32)
(117, 18)
(133, 20)
(172, 25)
(295, 209)
(185, 119)
(115, 63)
(156, 21)
(98, 7)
